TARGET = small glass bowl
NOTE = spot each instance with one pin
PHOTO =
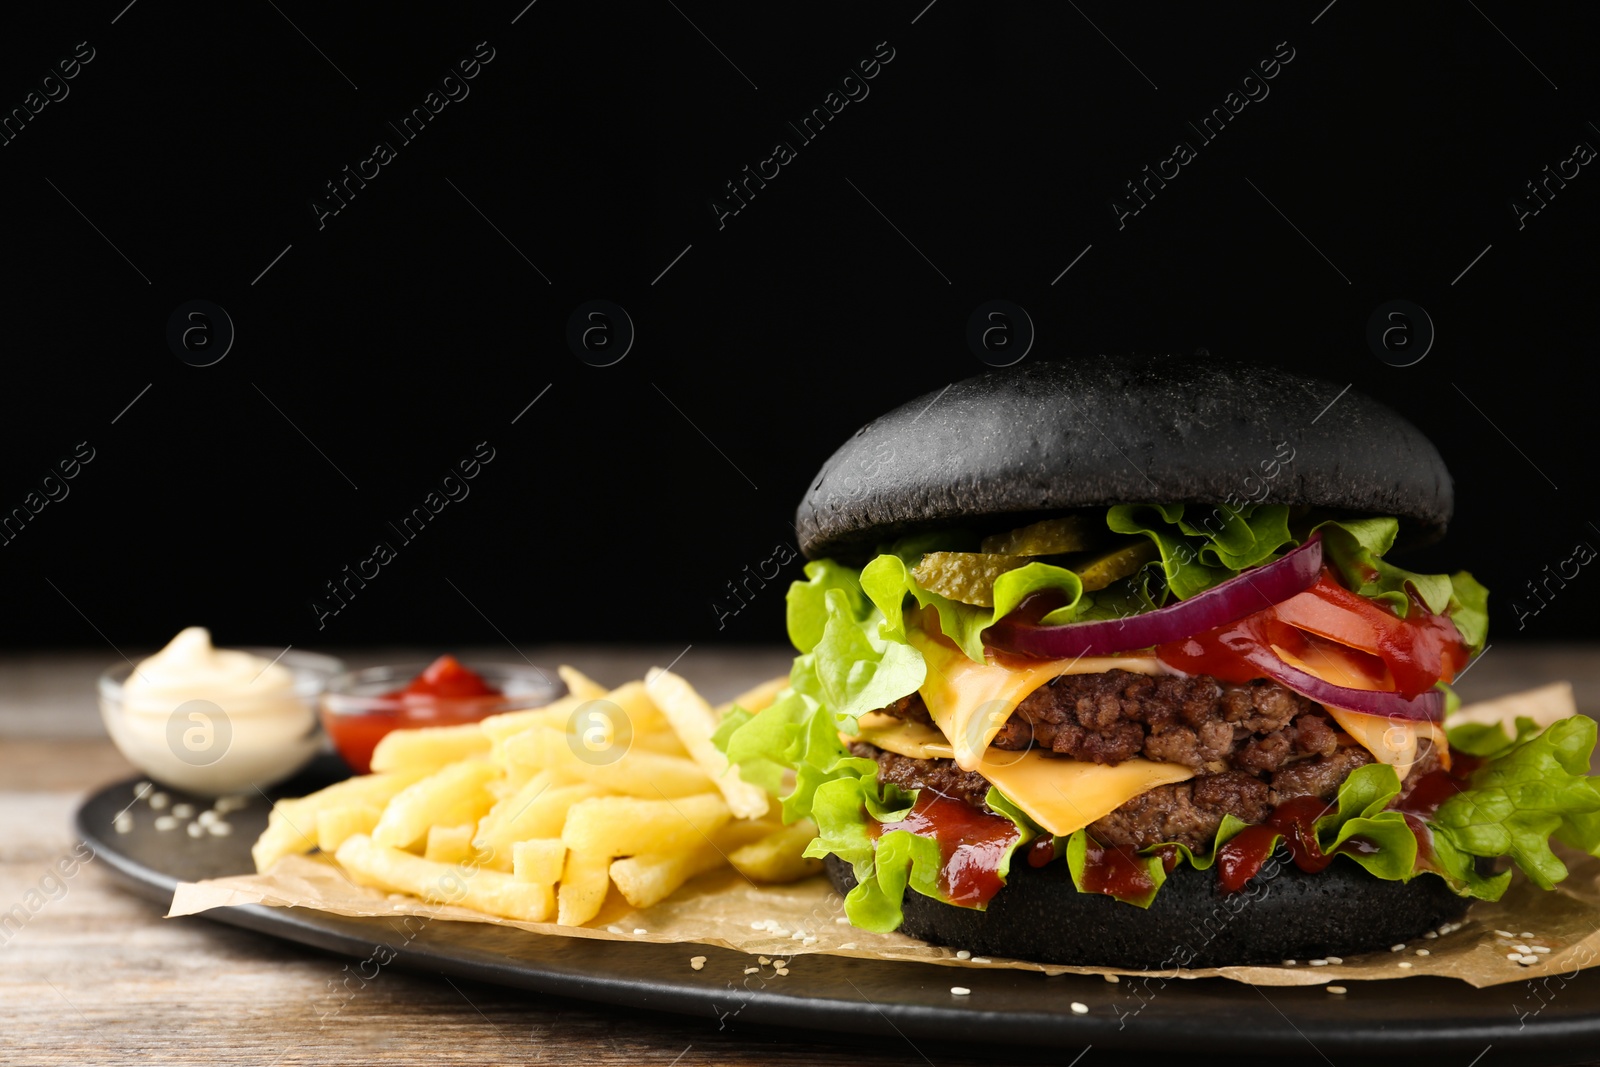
(358, 710)
(218, 745)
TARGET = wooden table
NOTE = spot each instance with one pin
(99, 976)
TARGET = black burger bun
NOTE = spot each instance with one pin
(1005, 447)
(1282, 913)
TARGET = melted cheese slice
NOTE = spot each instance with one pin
(1059, 793)
(970, 701)
(1397, 742)
(1063, 794)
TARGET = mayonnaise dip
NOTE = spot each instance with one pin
(210, 720)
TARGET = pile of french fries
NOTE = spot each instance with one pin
(533, 815)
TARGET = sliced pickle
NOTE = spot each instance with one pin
(965, 576)
(1116, 564)
(1048, 538)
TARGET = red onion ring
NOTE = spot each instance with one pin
(1252, 591)
(1428, 706)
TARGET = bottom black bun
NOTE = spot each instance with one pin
(1282, 913)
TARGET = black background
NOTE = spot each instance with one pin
(382, 347)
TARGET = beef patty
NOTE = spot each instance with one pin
(1199, 722)
(1254, 745)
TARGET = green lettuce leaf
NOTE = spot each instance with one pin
(806, 602)
(1077, 861)
(1469, 609)
(1537, 788)
(1487, 740)
(1389, 847)
(1202, 547)
(887, 864)
(888, 580)
(855, 668)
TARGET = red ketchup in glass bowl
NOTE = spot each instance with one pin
(360, 707)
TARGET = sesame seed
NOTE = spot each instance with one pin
(1335, 959)
(615, 929)
(166, 822)
(1406, 964)
(1525, 934)
(1423, 952)
(778, 932)
(183, 811)
(842, 921)
(751, 970)
(981, 959)
(1112, 978)
(960, 990)
(848, 944)
(963, 954)
(158, 800)
(1513, 956)
(697, 962)
(228, 805)
(780, 971)
(1505, 933)
(143, 787)
(1288, 963)
(763, 960)
(1445, 929)
(220, 829)
(758, 926)
(1318, 963)
(1522, 948)
(1401, 947)
(798, 935)
(195, 829)
(1527, 958)
(810, 939)
(1080, 1008)
(122, 824)
(1338, 990)
(206, 818)
(637, 930)
(1430, 935)
(1541, 949)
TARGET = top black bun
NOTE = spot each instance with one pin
(1015, 444)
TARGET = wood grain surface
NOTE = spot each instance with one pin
(99, 976)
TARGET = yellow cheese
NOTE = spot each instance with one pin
(971, 701)
(915, 739)
(1397, 742)
(1063, 794)
(1059, 793)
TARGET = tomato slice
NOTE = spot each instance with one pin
(1335, 634)
(1418, 651)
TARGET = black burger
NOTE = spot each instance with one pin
(1106, 663)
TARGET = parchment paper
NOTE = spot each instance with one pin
(782, 922)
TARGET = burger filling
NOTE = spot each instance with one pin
(1252, 746)
(1139, 687)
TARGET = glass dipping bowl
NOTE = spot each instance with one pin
(358, 710)
(223, 744)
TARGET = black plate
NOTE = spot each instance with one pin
(832, 994)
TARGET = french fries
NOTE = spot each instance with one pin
(694, 722)
(779, 856)
(429, 749)
(535, 815)
(399, 871)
